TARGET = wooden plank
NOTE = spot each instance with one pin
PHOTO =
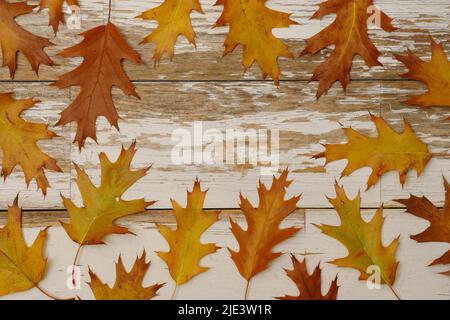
(414, 20)
(303, 124)
(414, 279)
(53, 101)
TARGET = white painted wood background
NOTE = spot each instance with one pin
(200, 86)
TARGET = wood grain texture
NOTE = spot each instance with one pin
(415, 21)
(414, 279)
(303, 124)
(199, 85)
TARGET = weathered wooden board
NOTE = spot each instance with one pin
(415, 22)
(303, 123)
(414, 280)
(200, 86)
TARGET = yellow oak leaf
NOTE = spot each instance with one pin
(349, 35)
(103, 205)
(362, 239)
(128, 285)
(388, 152)
(263, 232)
(14, 38)
(186, 249)
(55, 11)
(21, 267)
(174, 19)
(434, 73)
(18, 140)
(250, 24)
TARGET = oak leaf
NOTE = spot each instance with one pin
(21, 267)
(434, 73)
(439, 218)
(103, 50)
(309, 285)
(263, 232)
(128, 285)
(348, 33)
(186, 249)
(103, 205)
(14, 38)
(18, 141)
(250, 24)
(55, 11)
(173, 17)
(387, 152)
(362, 239)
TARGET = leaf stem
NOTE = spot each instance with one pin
(174, 292)
(109, 11)
(247, 287)
(74, 264)
(43, 291)
(395, 293)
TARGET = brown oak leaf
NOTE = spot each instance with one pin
(309, 285)
(15, 39)
(439, 218)
(55, 11)
(348, 33)
(103, 50)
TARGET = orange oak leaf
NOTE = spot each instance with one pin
(18, 141)
(434, 73)
(21, 267)
(174, 19)
(309, 285)
(103, 205)
(263, 232)
(128, 285)
(103, 50)
(250, 24)
(55, 11)
(362, 239)
(387, 152)
(439, 218)
(348, 33)
(186, 249)
(14, 38)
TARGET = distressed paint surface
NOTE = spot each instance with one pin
(199, 85)
(413, 274)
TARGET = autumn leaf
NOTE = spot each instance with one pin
(309, 285)
(348, 34)
(439, 218)
(103, 205)
(103, 50)
(186, 249)
(362, 239)
(55, 11)
(387, 152)
(14, 38)
(434, 73)
(128, 285)
(263, 232)
(21, 267)
(18, 141)
(250, 24)
(174, 19)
